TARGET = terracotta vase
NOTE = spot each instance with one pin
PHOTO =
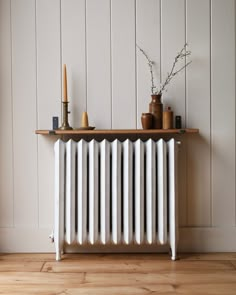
(156, 109)
(146, 120)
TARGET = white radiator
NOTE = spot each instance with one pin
(115, 193)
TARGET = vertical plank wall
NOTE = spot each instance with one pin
(198, 112)
(98, 45)
(48, 24)
(123, 87)
(24, 113)
(148, 36)
(173, 38)
(6, 149)
(108, 76)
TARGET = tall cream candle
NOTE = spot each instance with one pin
(65, 98)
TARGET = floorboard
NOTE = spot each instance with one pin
(131, 274)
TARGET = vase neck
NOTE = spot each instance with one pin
(156, 98)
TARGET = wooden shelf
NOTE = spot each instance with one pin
(117, 131)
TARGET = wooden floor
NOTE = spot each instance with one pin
(102, 274)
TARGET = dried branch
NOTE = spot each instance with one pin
(183, 54)
(150, 64)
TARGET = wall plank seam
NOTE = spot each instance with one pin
(211, 183)
(37, 107)
(12, 122)
(111, 66)
(136, 72)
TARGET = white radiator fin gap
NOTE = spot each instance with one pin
(139, 191)
(162, 190)
(116, 192)
(93, 191)
(151, 204)
(105, 191)
(82, 170)
(127, 191)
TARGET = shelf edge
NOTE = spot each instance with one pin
(117, 131)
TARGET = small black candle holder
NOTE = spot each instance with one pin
(65, 124)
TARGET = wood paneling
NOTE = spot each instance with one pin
(6, 149)
(24, 113)
(98, 31)
(26, 239)
(48, 98)
(48, 61)
(73, 37)
(223, 113)
(148, 22)
(172, 40)
(198, 109)
(123, 61)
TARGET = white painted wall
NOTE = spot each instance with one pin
(110, 79)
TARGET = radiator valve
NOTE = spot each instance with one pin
(51, 237)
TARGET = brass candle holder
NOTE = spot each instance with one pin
(65, 124)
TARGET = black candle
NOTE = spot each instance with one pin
(178, 124)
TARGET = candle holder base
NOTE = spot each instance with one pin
(65, 124)
(65, 128)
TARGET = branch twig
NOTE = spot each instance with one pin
(150, 64)
(183, 54)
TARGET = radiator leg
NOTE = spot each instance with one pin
(59, 253)
(58, 256)
(173, 252)
(59, 250)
